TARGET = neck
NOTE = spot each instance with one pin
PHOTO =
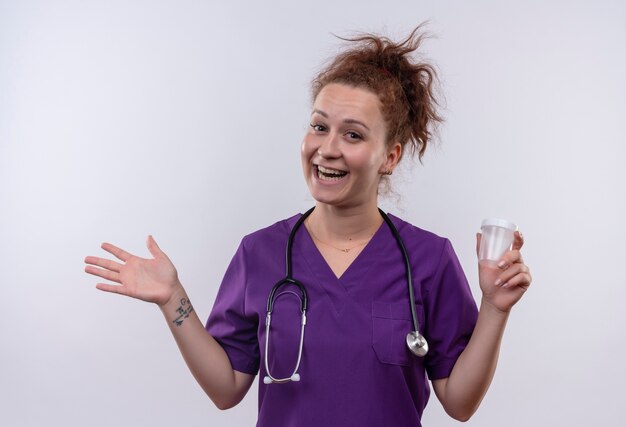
(336, 224)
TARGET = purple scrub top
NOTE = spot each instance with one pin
(356, 368)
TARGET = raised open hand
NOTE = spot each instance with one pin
(153, 280)
(505, 282)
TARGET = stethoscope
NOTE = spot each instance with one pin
(414, 340)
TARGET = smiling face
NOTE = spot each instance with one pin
(345, 151)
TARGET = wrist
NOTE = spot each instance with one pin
(178, 308)
(490, 309)
(178, 292)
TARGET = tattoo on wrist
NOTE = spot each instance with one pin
(184, 310)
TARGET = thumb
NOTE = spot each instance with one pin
(518, 241)
(154, 248)
(478, 237)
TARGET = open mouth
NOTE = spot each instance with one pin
(327, 174)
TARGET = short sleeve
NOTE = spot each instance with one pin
(451, 315)
(228, 323)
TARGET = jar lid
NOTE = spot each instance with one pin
(497, 222)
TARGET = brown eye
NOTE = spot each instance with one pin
(354, 135)
(318, 128)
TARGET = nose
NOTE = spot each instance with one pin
(329, 148)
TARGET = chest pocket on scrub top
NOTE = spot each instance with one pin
(391, 322)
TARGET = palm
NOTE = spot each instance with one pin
(148, 279)
(152, 280)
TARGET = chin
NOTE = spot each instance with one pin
(336, 202)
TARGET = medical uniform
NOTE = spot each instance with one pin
(356, 368)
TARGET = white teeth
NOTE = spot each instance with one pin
(327, 174)
(330, 171)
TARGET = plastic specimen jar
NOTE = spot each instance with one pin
(497, 238)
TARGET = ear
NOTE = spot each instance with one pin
(394, 153)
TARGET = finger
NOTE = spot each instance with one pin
(522, 280)
(154, 248)
(105, 274)
(115, 251)
(103, 262)
(478, 238)
(510, 258)
(510, 273)
(518, 241)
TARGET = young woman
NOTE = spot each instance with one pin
(350, 364)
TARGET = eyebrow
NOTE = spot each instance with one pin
(354, 121)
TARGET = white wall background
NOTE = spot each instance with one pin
(184, 119)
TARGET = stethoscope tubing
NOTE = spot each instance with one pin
(419, 349)
(407, 267)
(288, 280)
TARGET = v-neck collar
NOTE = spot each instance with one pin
(352, 279)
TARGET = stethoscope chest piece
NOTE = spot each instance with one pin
(417, 343)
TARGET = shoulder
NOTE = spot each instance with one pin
(270, 236)
(423, 245)
(416, 234)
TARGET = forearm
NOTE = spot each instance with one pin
(462, 392)
(205, 358)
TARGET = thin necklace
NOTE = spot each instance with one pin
(344, 250)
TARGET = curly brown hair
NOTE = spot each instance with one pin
(405, 88)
